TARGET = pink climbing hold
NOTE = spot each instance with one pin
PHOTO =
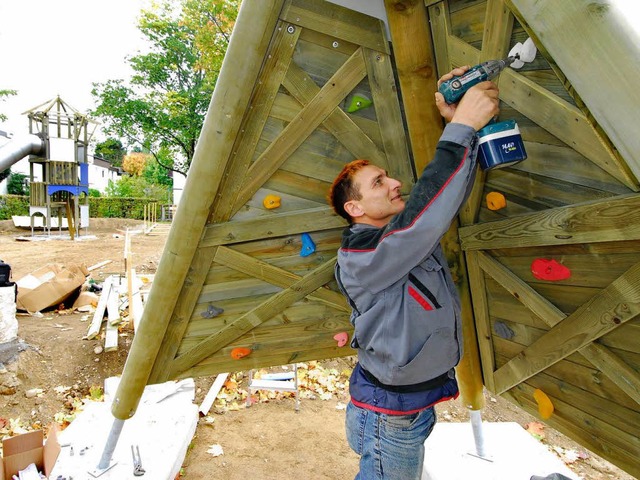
(342, 338)
(548, 269)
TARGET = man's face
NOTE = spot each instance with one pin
(380, 200)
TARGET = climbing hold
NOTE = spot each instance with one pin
(308, 247)
(342, 338)
(545, 407)
(271, 201)
(239, 352)
(358, 102)
(496, 201)
(212, 311)
(548, 269)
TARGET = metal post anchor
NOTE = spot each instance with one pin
(109, 447)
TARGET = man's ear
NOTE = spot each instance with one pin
(353, 208)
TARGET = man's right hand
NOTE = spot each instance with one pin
(478, 106)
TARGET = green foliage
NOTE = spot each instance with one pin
(11, 205)
(164, 104)
(3, 95)
(16, 184)
(138, 187)
(94, 192)
(118, 207)
(4, 174)
(111, 150)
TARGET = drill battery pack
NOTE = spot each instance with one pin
(500, 145)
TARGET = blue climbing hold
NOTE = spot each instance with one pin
(308, 247)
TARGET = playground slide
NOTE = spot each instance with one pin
(18, 148)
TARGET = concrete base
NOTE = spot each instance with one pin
(511, 454)
(161, 429)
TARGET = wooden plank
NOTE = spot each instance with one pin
(321, 218)
(241, 67)
(135, 305)
(481, 315)
(276, 276)
(302, 87)
(113, 305)
(345, 79)
(211, 395)
(416, 69)
(617, 304)
(576, 31)
(262, 98)
(606, 220)
(99, 265)
(338, 22)
(387, 105)
(98, 315)
(255, 317)
(111, 337)
(439, 20)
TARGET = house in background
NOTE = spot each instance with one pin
(100, 172)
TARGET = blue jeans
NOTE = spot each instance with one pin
(391, 447)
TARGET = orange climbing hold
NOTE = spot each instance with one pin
(342, 338)
(239, 352)
(271, 201)
(496, 201)
(545, 407)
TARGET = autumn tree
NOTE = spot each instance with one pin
(134, 163)
(164, 104)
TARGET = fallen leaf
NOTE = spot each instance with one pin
(215, 450)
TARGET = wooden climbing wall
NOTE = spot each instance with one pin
(262, 278)
(573, 201)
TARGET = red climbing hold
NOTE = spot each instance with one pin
(239, 352)
(548, 269)
(341, 338)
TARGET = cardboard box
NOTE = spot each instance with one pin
(22, 450)
(49, 286)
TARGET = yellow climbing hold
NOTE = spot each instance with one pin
(545, 407)
(496, 201)
(271, 201)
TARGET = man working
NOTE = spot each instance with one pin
(406, 311)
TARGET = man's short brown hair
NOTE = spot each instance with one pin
(344, 189)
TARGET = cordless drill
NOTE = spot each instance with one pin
(453, 90)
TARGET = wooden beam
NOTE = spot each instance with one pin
(263, 97)
(339, 22)
(389, 117)
(614, 306)
(417, 74)
(241, 67)
(313, 219)
(276, 276)
(607, 36)
(298, 290)
(301, 86)
(600, 356)
(330, 95)
(611, 219)
(495, 44)
(482, 319)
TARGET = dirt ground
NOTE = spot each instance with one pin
(56, 369)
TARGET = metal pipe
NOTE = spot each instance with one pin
(110, 446)
(18, 148)
(478, 435)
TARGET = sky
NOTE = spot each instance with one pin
(60, 47)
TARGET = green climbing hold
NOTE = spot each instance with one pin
(358, 102)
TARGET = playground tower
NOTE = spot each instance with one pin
(59, 172)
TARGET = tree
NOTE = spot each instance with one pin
(17, 184)
(134, 163)
(3, 95)
(111, 150)
(164, 104)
